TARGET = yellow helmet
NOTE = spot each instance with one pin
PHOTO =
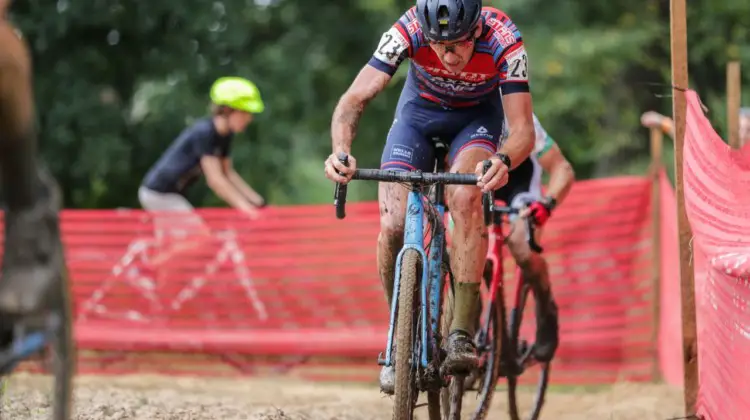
(237, 93)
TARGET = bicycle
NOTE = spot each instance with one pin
(416, 309)
(47, 335)
(499, 343)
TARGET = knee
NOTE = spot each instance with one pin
(519, 248)
(465, 200)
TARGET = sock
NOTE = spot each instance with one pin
(465, 307)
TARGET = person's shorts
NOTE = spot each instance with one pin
(418, 125)
(174, 216)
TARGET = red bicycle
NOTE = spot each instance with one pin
(502, 350)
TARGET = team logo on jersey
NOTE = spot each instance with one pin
(502, 33)
(412, 27)
(465, 76)
(482, 132)
(402, 153)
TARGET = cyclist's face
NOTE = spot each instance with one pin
(456, 54)
(238, 120)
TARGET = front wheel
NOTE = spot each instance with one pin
(406, 392)
(517, 354)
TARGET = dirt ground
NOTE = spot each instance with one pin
(178, 398)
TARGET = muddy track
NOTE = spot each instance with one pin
(168, 398)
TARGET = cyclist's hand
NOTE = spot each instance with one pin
(250, 211)
(496, 177)
(539, 210)
(337, 171)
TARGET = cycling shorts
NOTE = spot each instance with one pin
(418, 124)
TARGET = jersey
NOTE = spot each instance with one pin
(179, 167)
(499, 63)
(542, 142)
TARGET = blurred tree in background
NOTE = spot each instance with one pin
(117, 80)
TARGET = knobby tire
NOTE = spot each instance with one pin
(406, 386)
(541, 389)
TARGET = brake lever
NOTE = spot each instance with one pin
(488, 203)
(339, 194)
(530, 237)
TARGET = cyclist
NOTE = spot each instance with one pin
(204, 148)
(524, 190)
(652, 119)
(33, 255)
(469, 70)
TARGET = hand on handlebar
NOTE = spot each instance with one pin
(540, 211)
(336, 171)
(494, 177)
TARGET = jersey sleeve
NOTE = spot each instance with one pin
(223, 146)
(396, 44)
(543, 140)
(512, 61)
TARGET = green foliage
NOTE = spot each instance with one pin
(116, 81)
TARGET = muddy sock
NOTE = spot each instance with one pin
(465, 307)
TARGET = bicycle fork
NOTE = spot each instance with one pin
(431, 285)
(413, 239)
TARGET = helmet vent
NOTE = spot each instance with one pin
(443, 16)
(461, 13)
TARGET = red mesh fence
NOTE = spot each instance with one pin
(670, 306)
(717, 196)
(298, 290)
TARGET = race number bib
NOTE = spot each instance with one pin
(391, 47)
(518, 66)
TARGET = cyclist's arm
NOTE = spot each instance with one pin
(393, 48)
(652, 119)
(368, 83)
(513, 68)
(220, 183)
(240, 183)
(561, 174)
(520, 141)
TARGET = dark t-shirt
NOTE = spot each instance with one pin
(179, 166)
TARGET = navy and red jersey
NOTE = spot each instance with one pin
(499, 63)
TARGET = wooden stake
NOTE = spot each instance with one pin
(678, 32)
(734, 92)
(657, 140)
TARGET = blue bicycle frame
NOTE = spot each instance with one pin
(432, 275)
